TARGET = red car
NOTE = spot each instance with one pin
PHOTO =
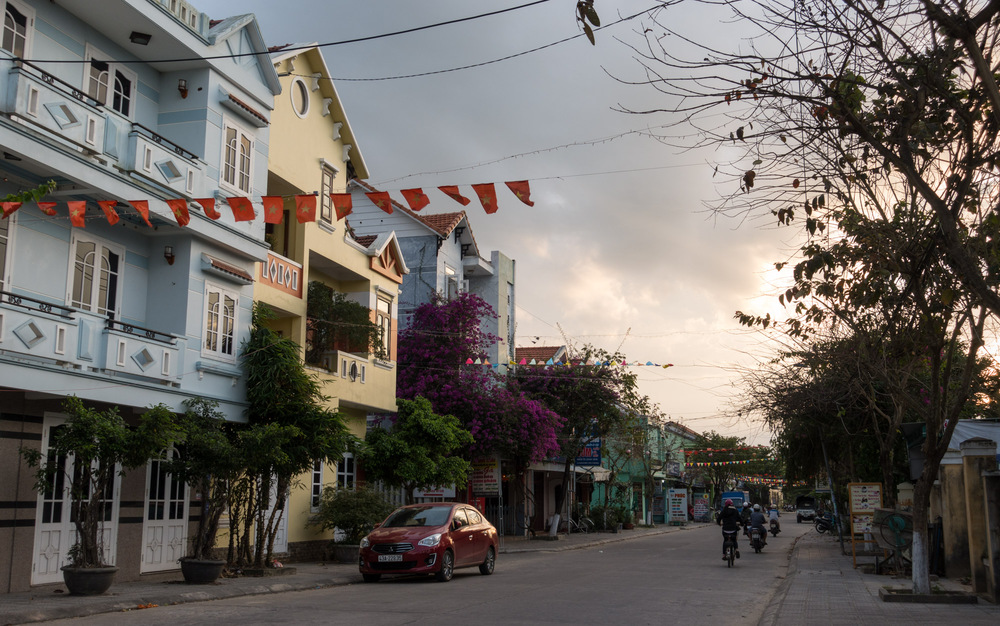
(435, 538)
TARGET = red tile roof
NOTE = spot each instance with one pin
(249, 108)
(538, 353)
(365, 240)
(443, 223)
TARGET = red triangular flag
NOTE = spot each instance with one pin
(416, 198)
(342, 204)
(305, 208)
(487, 196)
(9, 208)
(77, 212)
(142, 206)
(381, 200)
(208, 206)
(108, 206)
(180, 211)
(274, 208)
(521, 189)
(242, 209)
(48, 208)
(452, 192)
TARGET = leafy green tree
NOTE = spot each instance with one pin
(354, 512)
(102, 446)
(421, 449)
(336, 323)
(290, 428)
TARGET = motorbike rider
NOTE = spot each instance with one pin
(773, 516)
(730, 520)
(758, 520)
(745, 518)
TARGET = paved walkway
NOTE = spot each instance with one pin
(820, 586)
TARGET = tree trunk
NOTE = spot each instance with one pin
(921, 502)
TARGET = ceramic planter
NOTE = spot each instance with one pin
(88, 581)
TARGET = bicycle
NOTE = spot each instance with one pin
(729, 545)
(582, 525)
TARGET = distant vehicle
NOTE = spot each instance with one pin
(435, 538)
(805, 508)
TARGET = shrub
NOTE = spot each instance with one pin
(353, 512)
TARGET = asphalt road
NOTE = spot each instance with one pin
(650, 580)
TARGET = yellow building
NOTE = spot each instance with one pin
(313, 150)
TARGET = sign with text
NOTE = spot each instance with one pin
(437, 492)
(677, 505)
(590, 456)
(485, 476)
(864, 499)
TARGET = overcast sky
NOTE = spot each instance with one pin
(619, 249)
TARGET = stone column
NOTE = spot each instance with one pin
(991, 486)
(979, 455)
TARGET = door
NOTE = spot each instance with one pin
(480, 535)
(281, 536)
(164, 526)
(463, 538)
(54, 530)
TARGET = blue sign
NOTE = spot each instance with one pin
(590, 455)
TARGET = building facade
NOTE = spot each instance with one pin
(98, 300)
(314, 151)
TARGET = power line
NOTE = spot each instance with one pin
(322, 45)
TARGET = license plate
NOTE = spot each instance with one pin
(382, 558)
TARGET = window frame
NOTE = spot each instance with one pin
(316, 487)
(383, 319)
(29, 14)
(219, 352)
(93, 54)
(6, 246)
(299, 87)
(241, 135)
(100, 245)
(347, 477)
(328, 176)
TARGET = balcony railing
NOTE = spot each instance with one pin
(53, 335)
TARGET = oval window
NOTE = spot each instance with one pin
(300, 98)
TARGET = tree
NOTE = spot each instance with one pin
(290, 428)
(421, 450)
(87, 453)
(589, 396)
(336, 323)
(863, 119)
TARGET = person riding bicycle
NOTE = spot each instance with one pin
(759, 521)
(730, 520)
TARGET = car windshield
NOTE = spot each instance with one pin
(418, 516)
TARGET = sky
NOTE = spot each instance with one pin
(620, 250)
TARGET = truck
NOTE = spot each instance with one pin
(805, 508)
(738, 497)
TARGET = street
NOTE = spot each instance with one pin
(673, 576)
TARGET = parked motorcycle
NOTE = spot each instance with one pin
(775, 528)
(825, 523)
(757, 539)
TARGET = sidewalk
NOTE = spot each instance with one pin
(820, 584)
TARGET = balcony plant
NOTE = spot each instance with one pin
(210, 463)
(86, 453)
(336, 323)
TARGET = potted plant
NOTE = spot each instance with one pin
(352, 514)
(209, 463)
(86, 453)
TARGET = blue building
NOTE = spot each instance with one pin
(128, 103)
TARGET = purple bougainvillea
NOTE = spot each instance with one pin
(432, 361)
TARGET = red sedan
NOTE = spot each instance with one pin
(435, 538)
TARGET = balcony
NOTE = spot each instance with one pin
(60, 338)
(359, 381)
(46, 103)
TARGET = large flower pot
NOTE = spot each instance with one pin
(201, 571)
(88, 581)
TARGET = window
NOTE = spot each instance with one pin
(236, 157)
(95, 275)
(317, 486)
(326, 188)
(300, 97)
(220, 323)
(110, 84)
(17, 21)
(345, 472)
(383, 319)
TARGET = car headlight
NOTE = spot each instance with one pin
(431, 541)
(364, 542)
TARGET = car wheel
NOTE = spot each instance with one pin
(371, 578)
(447, 567)
(798, 520)
(491, 562)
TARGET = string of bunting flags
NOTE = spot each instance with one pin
(570, 363)
(723, 463)
(713, 450)
(273, 206)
